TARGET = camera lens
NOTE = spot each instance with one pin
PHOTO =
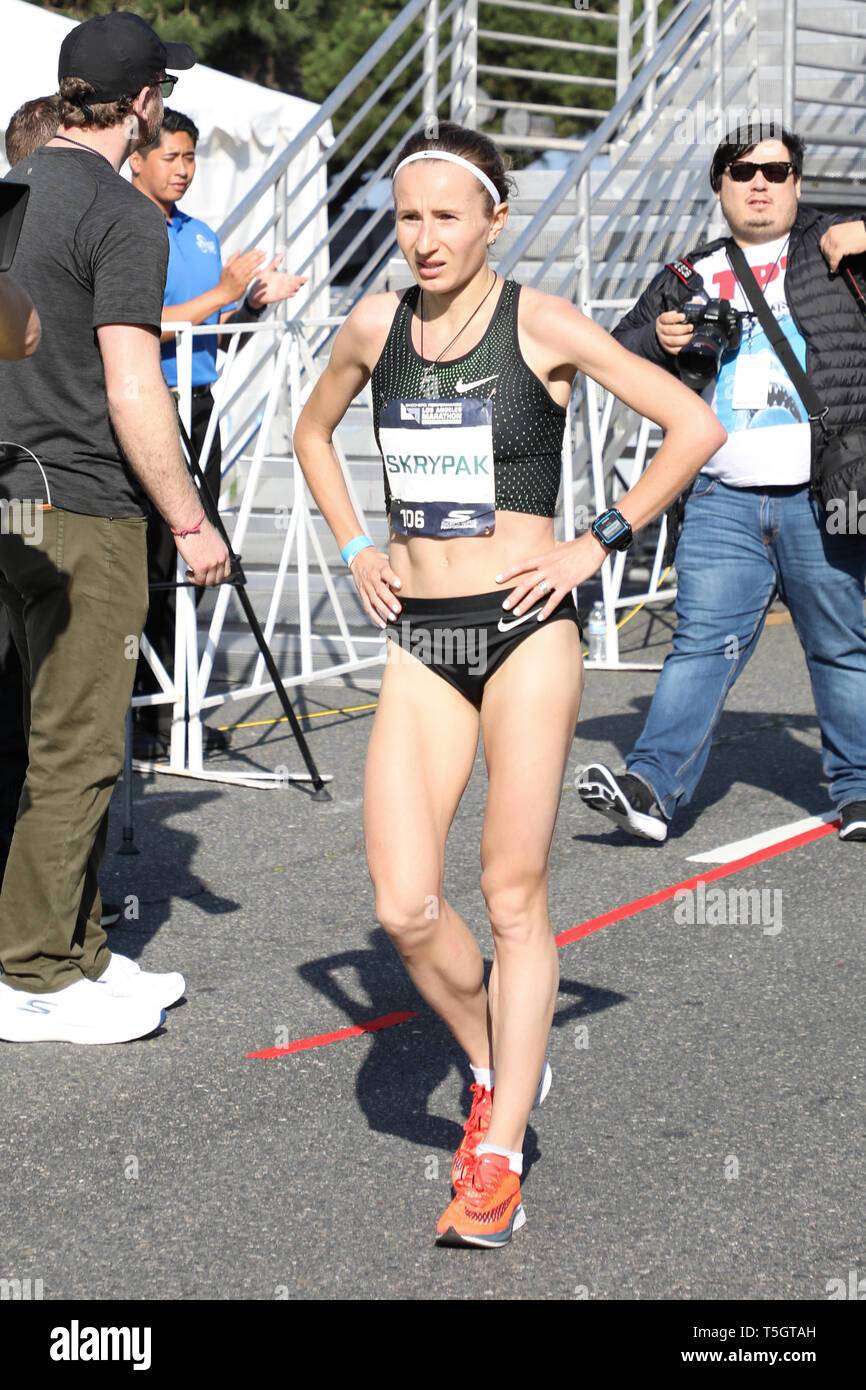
(700, 359)
(717, 328)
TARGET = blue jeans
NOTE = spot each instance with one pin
(740, 547)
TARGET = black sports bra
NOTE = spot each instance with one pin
(528, 425)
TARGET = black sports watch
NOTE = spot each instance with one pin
(612, 529)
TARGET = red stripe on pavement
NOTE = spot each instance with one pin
(322, 1039)
(723, 870)
(576, 933)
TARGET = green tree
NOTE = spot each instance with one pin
(259, 42)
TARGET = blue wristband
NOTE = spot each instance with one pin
(351, 548)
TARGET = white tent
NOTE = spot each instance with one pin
(243, 127)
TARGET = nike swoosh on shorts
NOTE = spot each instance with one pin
(531, 613)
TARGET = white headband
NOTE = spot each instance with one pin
(452, 159)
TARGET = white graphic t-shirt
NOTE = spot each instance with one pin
(769, 440)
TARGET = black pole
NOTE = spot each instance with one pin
(238, 579)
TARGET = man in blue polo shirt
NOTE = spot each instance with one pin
(199, 289)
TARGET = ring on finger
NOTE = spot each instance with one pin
(542, 585)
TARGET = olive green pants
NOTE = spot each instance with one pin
(77, 600)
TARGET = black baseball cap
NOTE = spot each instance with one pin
(118, 54)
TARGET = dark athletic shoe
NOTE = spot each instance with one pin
(853, 821)
(148, 747)
(625, 799)
(216, 740)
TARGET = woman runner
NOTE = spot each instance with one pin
(484, 631)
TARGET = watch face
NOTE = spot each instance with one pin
(609, 527)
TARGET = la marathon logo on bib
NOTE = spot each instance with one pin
(433, 413)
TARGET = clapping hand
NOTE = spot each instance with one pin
(272, 285)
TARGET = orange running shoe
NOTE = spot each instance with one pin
(487, 1209)
(474, 1131)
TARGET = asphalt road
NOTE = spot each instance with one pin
(703, 1138)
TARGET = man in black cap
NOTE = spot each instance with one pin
(94, 430)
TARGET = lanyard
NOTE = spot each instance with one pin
(750, 314)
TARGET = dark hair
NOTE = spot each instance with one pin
(469, 144)
(172, 122)
(33, 124)
(79, 108)
(744, 139)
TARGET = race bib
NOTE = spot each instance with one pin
(439, 460)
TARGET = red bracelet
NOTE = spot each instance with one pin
(193, 530)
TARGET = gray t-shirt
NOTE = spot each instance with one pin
(93, 251)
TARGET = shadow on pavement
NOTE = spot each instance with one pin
(394, 1089)
(146, 885)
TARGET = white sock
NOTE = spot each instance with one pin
(515, 1160)
(483, 1077)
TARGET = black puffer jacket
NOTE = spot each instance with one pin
(829, 310)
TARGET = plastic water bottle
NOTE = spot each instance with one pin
(596, 632)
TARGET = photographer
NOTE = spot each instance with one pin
(94, 430)
(752, 526)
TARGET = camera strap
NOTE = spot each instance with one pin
(687, 273)
(782, 348)
(859, 297)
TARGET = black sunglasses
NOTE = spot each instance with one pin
(167, 85)
(774, 172)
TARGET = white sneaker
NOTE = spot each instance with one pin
(80, 1013)
(124, 979)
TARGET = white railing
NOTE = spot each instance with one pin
(187, 688)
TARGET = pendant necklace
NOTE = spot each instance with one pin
(428, 387)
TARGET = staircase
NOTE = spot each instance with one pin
(634, 193)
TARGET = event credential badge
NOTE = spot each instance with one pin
(439, 462)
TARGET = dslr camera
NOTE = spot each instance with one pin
(718, 328)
